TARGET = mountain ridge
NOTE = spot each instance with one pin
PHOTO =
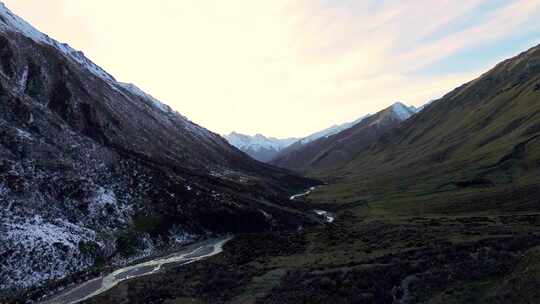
(94, 171)
(338, 148)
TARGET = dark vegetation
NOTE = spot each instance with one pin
(353, 261)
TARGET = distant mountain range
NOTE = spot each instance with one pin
(259, 147)
(266, 149)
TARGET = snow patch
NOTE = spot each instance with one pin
(23, 134)
(35, 231)
(180, 236)
(3, 189)
(103, 198)
(402, 111)
(24, 79)
(39, 250)
(258, 142)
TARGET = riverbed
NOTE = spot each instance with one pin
(189, 254)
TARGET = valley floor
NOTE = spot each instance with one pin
(362, 257)
(187, 255)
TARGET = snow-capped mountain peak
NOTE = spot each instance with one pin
(402, 111)
(259, 146)
(258, 141)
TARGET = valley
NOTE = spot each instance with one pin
(423, 215)
(110, 196)
(361, 259)
(190, 254)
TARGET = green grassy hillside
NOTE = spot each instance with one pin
(475, 150)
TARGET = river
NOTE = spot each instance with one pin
(328, 217)
(292, 198)
(189, 254)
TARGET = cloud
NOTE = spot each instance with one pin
(500, 24)
(284, 68)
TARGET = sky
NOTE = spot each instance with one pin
(289, 68)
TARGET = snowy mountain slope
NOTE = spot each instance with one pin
(402, 111)
(397, 111)
(259, 147)
(93, 170)
(331, 130)
(11, 22)
(336, 149)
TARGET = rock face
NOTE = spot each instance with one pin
(92, 169)
(336, 150)
(259, 147)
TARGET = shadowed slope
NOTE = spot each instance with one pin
(334, 151)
